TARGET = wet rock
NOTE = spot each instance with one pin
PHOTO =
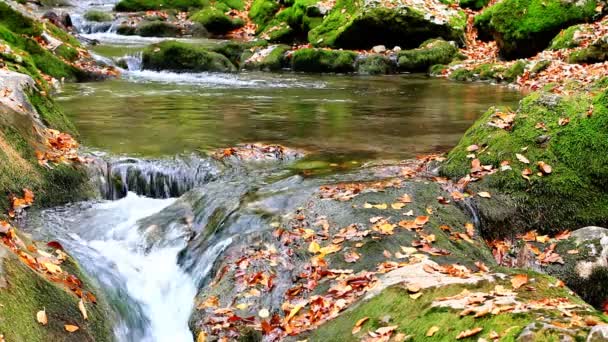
(430, 53)
(62, 20)
(258, 152)
(321, 60)
(183, 57)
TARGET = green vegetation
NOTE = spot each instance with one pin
(352, 27)
(26, 293)
(274, 61)
(176, 56)
(524, 27)
(375, 65)
(432, 52)
(292, 23)
(387, 309)
(574, 150)
(157, 28)
(262, 11)
(474, 4)
(98, 16)
(320, 60)
(148, 5)
(565, 39)
(594, 53)
(216, 21)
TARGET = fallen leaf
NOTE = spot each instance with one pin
(519, 280)
(358, 325)
(563, 121)
(82, 309)
(41, 317)
(484, 194)
(432, 330)
(472, 148)
(421, 220)
(314, 247)
(522, 159)
(264, 313)
(70, 328)
(351, 256)
(416, 295)
(468, 333)
(397, 206)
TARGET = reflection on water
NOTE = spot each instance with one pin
(363, 117)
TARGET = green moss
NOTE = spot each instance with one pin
(540, 66)
(575, 152)
(126, 30)
(147, 5)
(462, 74)
(67, 52)
(594, 53)
(177, 56)
(27, 293)
(262, 12)
(157, 28)
(350, 26)
(375, 65)
(438, 69)
(216, 21)
(524, 27)
(432, 52)
(234, 50)
(514, 71)
(274, 61)
(565, 39)
(474, 4)
(17, 22)
(293, 23)
(320, 60)
(98, 16)
(416, 316)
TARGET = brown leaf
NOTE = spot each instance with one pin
(351, 256)
(544, 167)
(563, 121)
(468, 333)
(519, 280)
(421, 220)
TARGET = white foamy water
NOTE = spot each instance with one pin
(154, 279)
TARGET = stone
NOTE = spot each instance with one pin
(397, 48)
(599, 333)
(379, 49)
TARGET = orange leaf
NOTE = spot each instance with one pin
(519, 280)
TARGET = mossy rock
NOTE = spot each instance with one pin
(150, 5)
(350, 25)
(375, 65)
(573, 195)
(180, 57)
(216, 21)
(293, 23)
(98, 16)
(157, 28)
(436, 51)
(274, 60)
(262, 12)
(474, 4)
(594, 53)
(322, 60)
(126, 30)
(235, 51)
(24, 292)
(522, 28)
(565, 38)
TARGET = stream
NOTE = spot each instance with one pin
(168, 210)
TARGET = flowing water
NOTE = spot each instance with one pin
(168, 210)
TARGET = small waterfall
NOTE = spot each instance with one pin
(133, 62)
(84, 26)
(163, 178)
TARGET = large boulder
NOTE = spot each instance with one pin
(362, 24)
(180, 57)
(544, 164)
(522, 28)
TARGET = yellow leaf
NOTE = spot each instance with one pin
(202, 337)
(519, 280)
(314, 247)
(397, 206)
(242, 306)
(51, 267)
(41, 317)
(468, 333)
(358, 324)
(330, 249)
(484, 194)
(432, 331)
(416, 295)
(82, 309)
(70, 328)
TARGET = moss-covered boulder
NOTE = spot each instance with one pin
(375, 64)
(262, 12)
(292, 24)
(548, 163)
(98, 16)
(432, 52)
(323, 60)
(522, 28)
(157, 28)
(216, 21)
(362, 25)
(596, 52)
(180, 57)
(566, 38)
(495, 72)
(271, 58)
(474, 4)
(149, 5)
